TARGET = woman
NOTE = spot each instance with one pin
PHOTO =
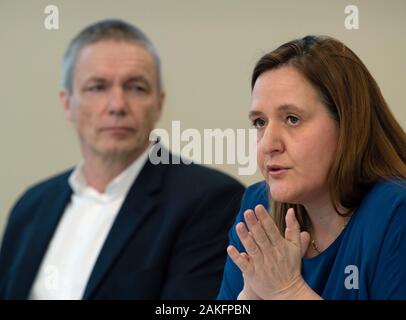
(334, 161)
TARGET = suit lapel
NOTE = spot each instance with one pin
(141, 199)
(34, 248)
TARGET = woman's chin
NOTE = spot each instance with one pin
(282, 195)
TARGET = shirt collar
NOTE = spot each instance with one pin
(119, 186)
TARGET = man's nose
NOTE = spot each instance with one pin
(271, 141)
(117, 104)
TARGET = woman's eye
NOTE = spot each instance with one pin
(258, 123)
(292, 120)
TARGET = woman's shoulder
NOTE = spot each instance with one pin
(384, 201)
(259, 188)
(388, 190)
(256, 194)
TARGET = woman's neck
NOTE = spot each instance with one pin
(326, 225)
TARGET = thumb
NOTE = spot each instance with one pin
(304, 242)
(292, 231)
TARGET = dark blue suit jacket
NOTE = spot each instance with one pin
(168, 241)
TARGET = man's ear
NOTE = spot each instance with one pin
(64, 98)
(161, 100)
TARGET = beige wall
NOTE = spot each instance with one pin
(208, 50)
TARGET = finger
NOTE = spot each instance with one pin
(248, 241)
(268, 224)
(292, 231)
(256, 230)
(240, 259)
(304, 242)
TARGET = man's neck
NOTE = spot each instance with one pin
(100, 171)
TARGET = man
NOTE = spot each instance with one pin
(117, 226)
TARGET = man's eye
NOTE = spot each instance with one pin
(293, 120)
(258, 123)
(136, 88)
(97, 87)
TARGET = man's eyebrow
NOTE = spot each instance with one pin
(130, 79)
(137, 79)
(254, 113)
(95, 79)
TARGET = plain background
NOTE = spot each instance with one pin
(208, 49)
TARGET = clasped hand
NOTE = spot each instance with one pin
(271, 264)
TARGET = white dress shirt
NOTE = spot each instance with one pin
(80, 234)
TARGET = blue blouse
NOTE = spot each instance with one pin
(366, 261)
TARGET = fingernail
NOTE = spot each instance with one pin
(249, 216)
(242, 228)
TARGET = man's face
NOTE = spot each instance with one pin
(116, 99)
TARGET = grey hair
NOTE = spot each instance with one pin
(111, 29)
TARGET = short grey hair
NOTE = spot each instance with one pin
(111, 29)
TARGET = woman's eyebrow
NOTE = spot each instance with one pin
(289, 107)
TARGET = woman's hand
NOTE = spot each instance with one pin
(271, 266)
(247, 293)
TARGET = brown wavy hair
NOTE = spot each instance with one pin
(371, 144)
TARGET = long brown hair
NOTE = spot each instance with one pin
(371, 144)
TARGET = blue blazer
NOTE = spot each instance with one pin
(168, 240)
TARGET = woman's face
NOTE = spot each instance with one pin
(297, 136)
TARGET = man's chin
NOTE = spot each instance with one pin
(122, 152)
(118, 152)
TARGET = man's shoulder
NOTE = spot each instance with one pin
(30, 202)
(43, 187)
(50, 182)
(187, 173)
(200, 175)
